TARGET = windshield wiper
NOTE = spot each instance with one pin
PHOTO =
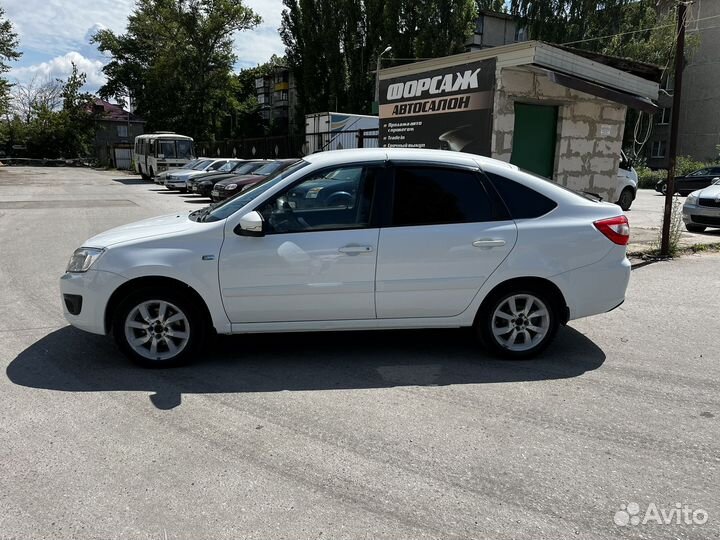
(203, 212)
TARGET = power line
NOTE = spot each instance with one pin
(644, 30)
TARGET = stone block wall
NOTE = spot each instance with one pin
(589, 136)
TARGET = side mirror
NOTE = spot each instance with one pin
(251, 224)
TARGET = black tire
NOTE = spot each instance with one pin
(152, 174)
(663, 189)
(695, 228)
(182, 190)
(144, 176)
(485, 319)
(626, 199)
(195, 324)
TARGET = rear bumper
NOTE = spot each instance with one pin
(596, 288)
(85, 296)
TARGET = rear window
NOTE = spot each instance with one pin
(522, 202)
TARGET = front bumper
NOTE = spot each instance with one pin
(694, 214)
(176, 184)
(90, 290)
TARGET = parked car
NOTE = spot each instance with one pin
(178, 180)
(684, 185)
(232, 186)
(203, 184)
(702, 208)
(160, 177)
(627, 183)
(430, 239)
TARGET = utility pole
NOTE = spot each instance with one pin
(674, 125)
(377, 78)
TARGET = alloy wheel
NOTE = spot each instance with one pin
(520, 322)
(157, 330)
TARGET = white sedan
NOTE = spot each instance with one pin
(178, 179)
(356, 240)
(702, 208)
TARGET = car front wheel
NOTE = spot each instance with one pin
(518, 324)
(158, 329)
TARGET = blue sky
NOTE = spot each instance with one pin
(55, 33)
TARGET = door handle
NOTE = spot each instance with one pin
(487, 243)
(351, 250)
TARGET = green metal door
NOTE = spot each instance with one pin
(534, 138)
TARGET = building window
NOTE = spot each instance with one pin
(665, 115)
(520, 33)
(669, 83)
(659, 149)
(122, 131)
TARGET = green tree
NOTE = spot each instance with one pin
(176, 60)
(8, 52)
(333, 57)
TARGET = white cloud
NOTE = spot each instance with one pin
(257, 46)
(58, 26)
(60, 67)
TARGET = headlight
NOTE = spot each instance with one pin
(230, 187)
(83, 259)
(692, 199)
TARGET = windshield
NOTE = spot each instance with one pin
(230, 206)
(167, 149)
(190, 164)
(269, 168)
(184, 149)
(201, 165)
(229, 166)
(247, 168)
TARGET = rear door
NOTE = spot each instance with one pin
(446, 236)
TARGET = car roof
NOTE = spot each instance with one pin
(405, 154)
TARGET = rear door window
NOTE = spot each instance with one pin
(437, 195)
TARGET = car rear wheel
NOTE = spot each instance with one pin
(626, 199)
(518, 324)
(695, 228)
(158, 328)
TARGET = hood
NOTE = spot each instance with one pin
(157, 226)
(710, 192)
(239, 179)
(215, 178)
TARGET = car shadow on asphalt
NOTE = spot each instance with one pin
(131, 181)
(73, 361)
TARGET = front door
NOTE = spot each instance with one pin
(533, 147)
(317, 259)
(444, 240)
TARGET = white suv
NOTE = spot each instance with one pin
(358, 239)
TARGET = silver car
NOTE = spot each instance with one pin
(702, 208)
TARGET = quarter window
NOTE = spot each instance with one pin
(338, 198)
(522, 201)
(434, 195)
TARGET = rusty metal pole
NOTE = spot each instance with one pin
(674, 125)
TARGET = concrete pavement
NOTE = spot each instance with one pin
(344, 435)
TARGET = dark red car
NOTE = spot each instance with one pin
(231, 186)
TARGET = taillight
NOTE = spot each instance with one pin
(617, 229)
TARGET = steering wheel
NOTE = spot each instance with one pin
(283, 219)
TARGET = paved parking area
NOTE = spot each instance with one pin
(344, 435)
(646, 215)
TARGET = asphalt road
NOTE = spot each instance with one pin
(344, 435)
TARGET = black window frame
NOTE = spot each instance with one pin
(376, 206)
(497, 207)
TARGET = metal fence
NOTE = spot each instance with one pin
(287, 146)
